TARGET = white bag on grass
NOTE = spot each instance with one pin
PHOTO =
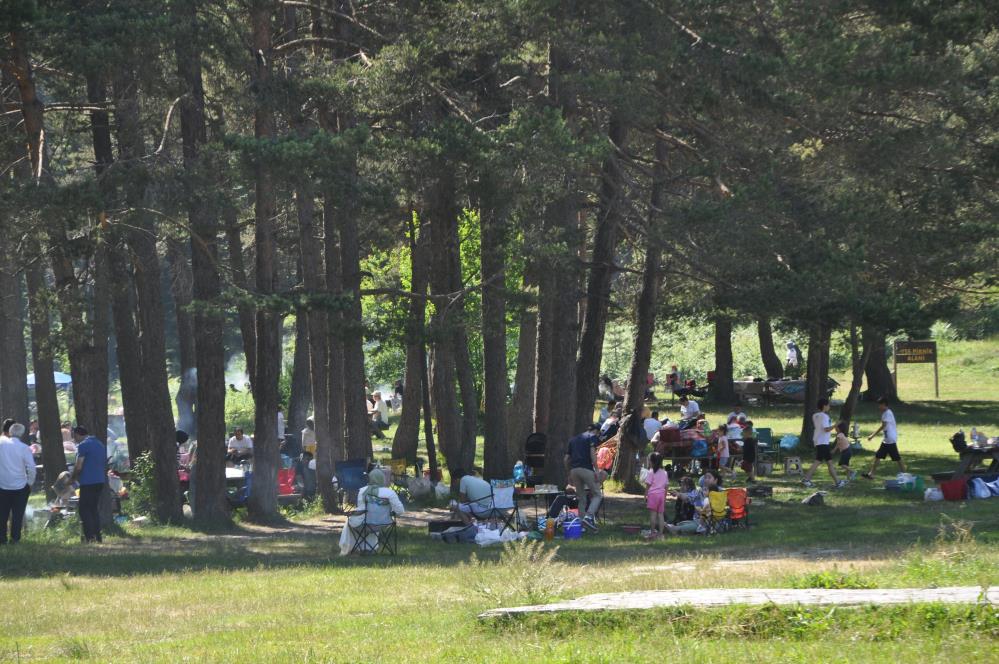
(978, 489)
(443, 491)
(933, 494)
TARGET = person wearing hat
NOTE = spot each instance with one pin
(91, 472)
(580, 461)
(17, 474)
(376, 486)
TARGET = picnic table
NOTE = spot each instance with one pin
(973, 457)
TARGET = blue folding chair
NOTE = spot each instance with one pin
(351, 475)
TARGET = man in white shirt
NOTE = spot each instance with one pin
(381, 408)
(474, 496)
(651, 423)
(17, 474)
(240, 446)
(688, 408)
(889, 445)
(738, 413)
(821, 427)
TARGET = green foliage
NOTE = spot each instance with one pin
(525, 573)
(832, 580)
(142, 486)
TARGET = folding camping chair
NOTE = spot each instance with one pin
(765, 448)
(351, 476)
(498, 506)
(377, 532)
(738, 507)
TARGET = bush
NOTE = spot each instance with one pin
(142, 487)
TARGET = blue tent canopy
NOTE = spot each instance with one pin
(61, 379)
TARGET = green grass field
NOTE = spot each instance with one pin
(282, 594)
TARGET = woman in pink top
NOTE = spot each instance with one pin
(655, 496)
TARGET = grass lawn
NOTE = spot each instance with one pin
(282, 593)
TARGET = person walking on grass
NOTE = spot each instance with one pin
(821, 427)
(655, 495)
(842, 445)
(889, 444)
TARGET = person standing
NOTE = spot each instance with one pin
(580, 460)
(656, 481)
(90, 471)
(889, 444)
(821, 427)
(749, 452)
(17, 474)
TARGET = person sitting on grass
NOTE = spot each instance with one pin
(656, 481)
(889, 445)
(842, 446)
(749, 452)
(474, 496)
(821, 427)
(696, 500)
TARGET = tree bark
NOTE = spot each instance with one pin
(262, 504)
(565, 344)
(53, 456)
(355, 394)
(149, 304)
(520, 418)
(645, 326)
(815, 380)
(405, 445)
(722, 388)
(210, 504)
(334, 370)
(610, 212)
(773, 368)
(547, 298)
(880, 382)
(182, 289)
(442, 211)
(247, 326)
(13, 360)
(859, 358)
(495, 379)
(129, 354)
(301, 387)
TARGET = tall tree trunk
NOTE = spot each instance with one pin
(32, 114)
(182, 289)
(609, 215)
(210, 504)
(247, 326)
(262, 504)
(355, 398)
(334, 371)
(443, 372)
(815, 380)
(772, 365)
(301, 387)
(565, 343)
(13, 361)
(859, 359)
(149, 304)
(520, 419)
(405, 445)
(53, 457)
(129, 354)
(880, 382)
(495, 380)
(722, 388)
(645, 326)
(317, 317)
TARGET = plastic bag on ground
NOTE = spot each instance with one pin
(442, 491)
(933, 495)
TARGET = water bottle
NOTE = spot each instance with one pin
(974, 436)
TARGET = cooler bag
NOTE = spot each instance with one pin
(954, 489)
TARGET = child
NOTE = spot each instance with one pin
(655, 496)
(695, 500)
(721, 447)
(749, 452)
(889, 446)
(845, 452)
(821, 427)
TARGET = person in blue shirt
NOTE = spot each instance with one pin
(91, 472)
